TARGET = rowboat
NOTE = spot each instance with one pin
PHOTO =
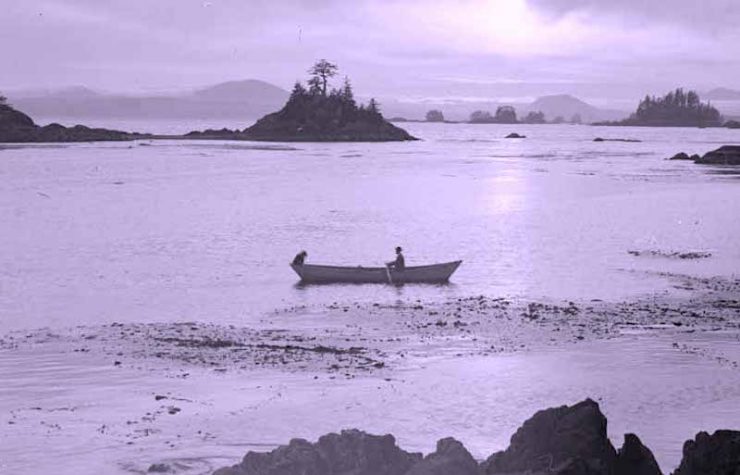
(431, 274)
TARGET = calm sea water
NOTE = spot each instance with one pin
(178, 230)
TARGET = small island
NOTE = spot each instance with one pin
(318, 114)
(675, 109)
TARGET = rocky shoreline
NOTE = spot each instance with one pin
(566, 440)
(17, 127)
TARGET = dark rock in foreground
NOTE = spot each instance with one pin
(514, 135)
(17, 127)
(567, 440)
(560, 440)
(451, 457)
(635, 459)
(716, 454)
(725, 155)
(350, 453)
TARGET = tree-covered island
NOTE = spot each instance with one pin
(675, 109)
(319, 113)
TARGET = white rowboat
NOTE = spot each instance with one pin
(431, 274)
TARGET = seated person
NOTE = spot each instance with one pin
(300, 258)
(400, 263)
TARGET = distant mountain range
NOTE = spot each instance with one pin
(722, 94)
(247, 99)
(567, 106)
(250, 99)
(561, 105)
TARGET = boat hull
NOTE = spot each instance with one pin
(431, 274)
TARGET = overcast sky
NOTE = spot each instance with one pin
(401, 48)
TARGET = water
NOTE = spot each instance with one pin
(177, 230)
(81, 415)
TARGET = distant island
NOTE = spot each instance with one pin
(15, 126)
(318, 114)
(675, 109)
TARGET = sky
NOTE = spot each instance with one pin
(464, 50)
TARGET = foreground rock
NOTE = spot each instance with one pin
(571, 440)
(563, 440)
(451, 457)
(514, 135)
(716, 454)
(635, 459)
(352, 452)
(17, 127)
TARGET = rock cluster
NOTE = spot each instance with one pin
(570, 440)
(17, 127)
(350, 453)
(566, 440)
(716, 454)
(725, 155)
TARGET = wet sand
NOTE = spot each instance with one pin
(120, 397)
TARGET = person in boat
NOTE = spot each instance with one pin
(400, 263)
(300, 258)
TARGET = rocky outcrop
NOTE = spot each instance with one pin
(601, 139)
(725, 155)
(451, 457)
(635, 459)
(567, 439)
(17, 127)
(316, 126)
(684, 156)
(352, 452)
(716, 454)
(514, 135)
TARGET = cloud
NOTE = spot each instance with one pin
(393, 47)
(705, 15)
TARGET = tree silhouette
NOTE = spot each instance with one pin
(505, 115)
(321, 72)
(534, 118)
(373, 106)
(314, 86)
(348, 96)
(481, 117)
(435, 115)
(298, 92)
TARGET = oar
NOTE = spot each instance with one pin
(388, 273)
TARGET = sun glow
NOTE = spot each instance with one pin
(490, 26)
